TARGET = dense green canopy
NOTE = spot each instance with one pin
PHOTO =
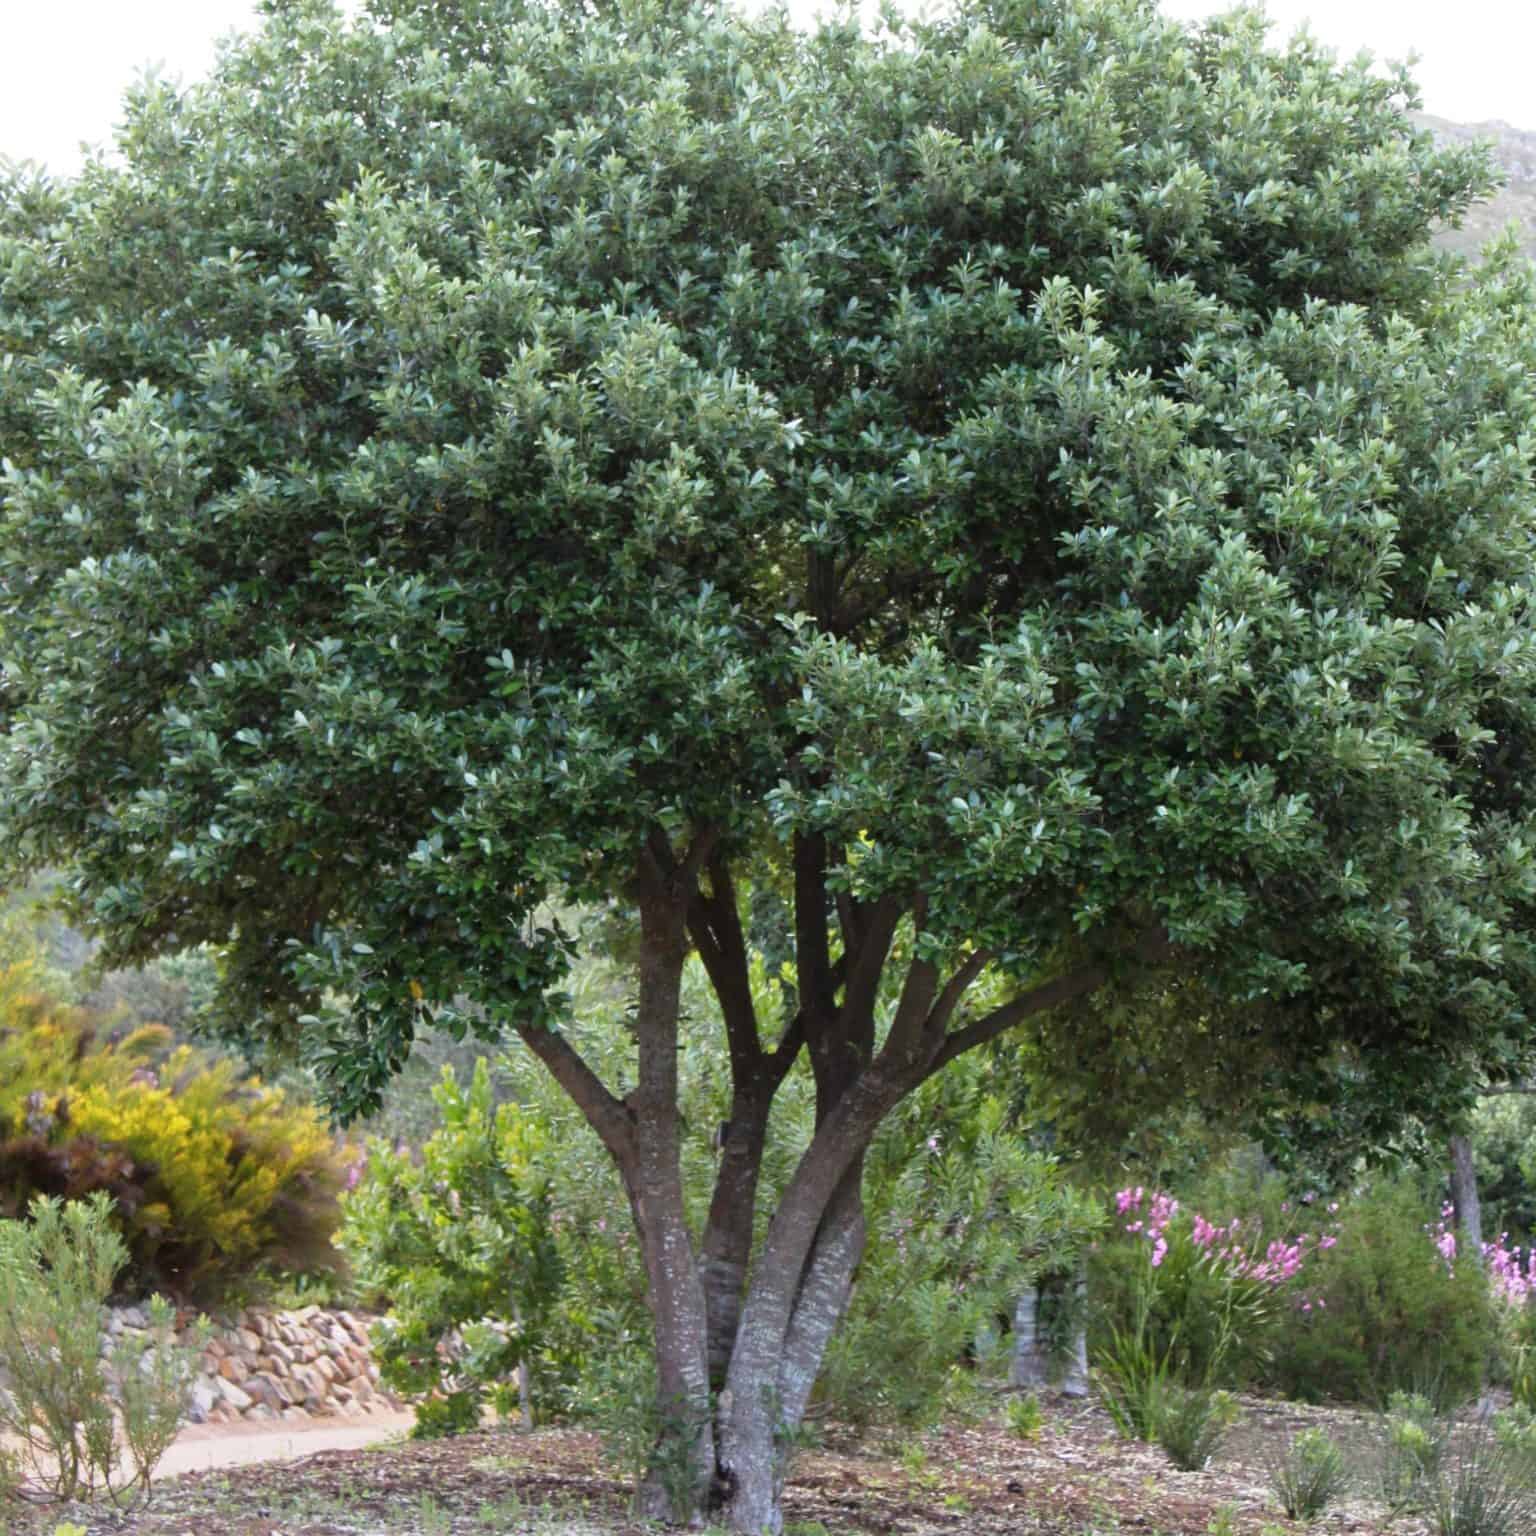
(1020, 479)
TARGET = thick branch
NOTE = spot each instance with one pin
(1050, 994)
(865, 961)
(607, 1115)
(714, 925)
(813, 955)
(955, 989)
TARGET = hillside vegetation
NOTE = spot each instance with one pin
(1515, 151)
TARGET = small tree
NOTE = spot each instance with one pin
(461, 1246)
(1016, 491)
(86, 1417)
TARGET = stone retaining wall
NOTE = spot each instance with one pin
(311, 1363)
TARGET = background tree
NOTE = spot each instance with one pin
(1019, 486)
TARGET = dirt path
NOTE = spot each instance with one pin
(201, 1446)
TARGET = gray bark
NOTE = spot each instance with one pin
(1468, 1208)
(683, 1469)
(754, 1444)
(1075, 1382)
(1030, 1367)
(1033, 1364)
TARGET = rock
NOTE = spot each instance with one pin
(201, 1400)
(327, 1367)
(233, 1368)
(248, 1340)
(266, 1389)
(260, 1411)
(295, 1414)
(236, 1397)
(362, 1389)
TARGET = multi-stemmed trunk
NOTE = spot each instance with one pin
(741, 1335)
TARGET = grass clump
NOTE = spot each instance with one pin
(1484, 1490)
(1309, 1475)
(1192, 1423)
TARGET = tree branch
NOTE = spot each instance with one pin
(714, 924)
(813, 956)
(606, 1114)
(1050, 994)
(865, 964)
(955, 989)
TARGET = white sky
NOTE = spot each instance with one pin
(64, 63)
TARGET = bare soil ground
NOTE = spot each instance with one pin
(1077, 1478)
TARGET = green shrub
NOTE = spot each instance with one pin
(1204, 1306)
(462, 1247)
(86, 1418)
(962, 1215)
(211, 1175)
(1484, 1490)
(453, 1413)
(1382, 1312)
(1134, 1380)
(1308, 1475)
(1413, 1448)
(1192, 1423)
(1023, 1415)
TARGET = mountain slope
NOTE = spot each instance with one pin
(1514, 149)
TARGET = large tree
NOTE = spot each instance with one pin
(1019, 487)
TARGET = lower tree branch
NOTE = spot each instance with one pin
(1051, 994)
(606, 1114)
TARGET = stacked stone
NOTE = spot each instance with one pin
(282, 1365)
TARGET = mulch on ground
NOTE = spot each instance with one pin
(1076, 1478)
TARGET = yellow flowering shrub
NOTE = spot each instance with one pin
(212, 1173)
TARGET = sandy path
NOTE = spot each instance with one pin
(201, 1446)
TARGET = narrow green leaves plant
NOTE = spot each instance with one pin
(1308, 1475)
(89, 1416)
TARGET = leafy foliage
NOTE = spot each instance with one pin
(462, 1246)
(86, 1416)
(1019, 479)
(960, 1222)
(1309, 1474)
(1222, 489)
(211, 1175)
(1388, 1314)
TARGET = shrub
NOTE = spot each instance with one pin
(962, 1216)
(1483, 1491)
(1201, 1297)
(1192, 1423)
(1383, 1312)
(1413, 1447)
(462, 1246)
(80, 1412)
(1023, 1415)
(1308, 1475)
(211, 1175)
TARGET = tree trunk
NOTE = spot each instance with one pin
(757, 1427)
(1465, 1204)
(683, 1464)
(1031, 1366)
(1075, 1382)
(1034, 1363)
